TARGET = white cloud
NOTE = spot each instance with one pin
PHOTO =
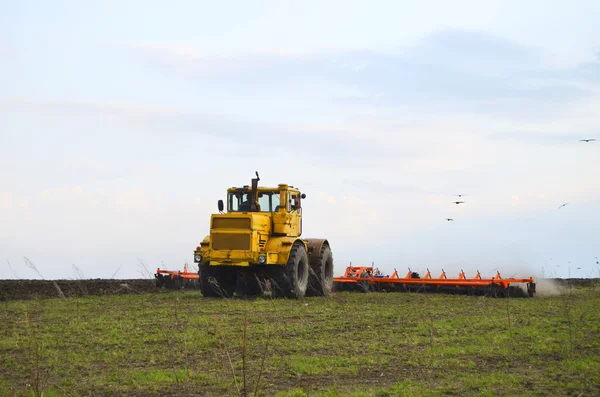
(45, 195)
(463, 68)
(5, 49)
(6, 200)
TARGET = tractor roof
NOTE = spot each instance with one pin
(265, 188)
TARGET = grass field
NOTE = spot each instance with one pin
(377, 344)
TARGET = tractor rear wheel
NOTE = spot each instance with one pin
(291, 281)
(320, 282)
(217, 281)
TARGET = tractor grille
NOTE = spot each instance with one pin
(226, 241)
(231, 223)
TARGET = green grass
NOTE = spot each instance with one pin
(351, 344)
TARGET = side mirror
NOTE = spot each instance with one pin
(303, 196)
(220, 205)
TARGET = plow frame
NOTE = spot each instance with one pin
(367, 278)
(174, 279)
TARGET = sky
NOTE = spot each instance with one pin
(123, 123)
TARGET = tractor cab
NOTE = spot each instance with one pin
(283, 198)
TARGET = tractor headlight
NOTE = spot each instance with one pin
(262, 259)
(197, 258)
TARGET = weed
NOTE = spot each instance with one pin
(568, 312)
(12, 272)
(30, 265)
(116, 271)
(37, 382)
(143, 269)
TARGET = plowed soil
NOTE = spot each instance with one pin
(577, 282)
(31, 289)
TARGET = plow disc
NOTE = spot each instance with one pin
(368, 279)
(176, 279)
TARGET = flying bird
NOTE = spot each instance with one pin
(563, 205)
(460, 195)
(458, 202)
(587, 140)
(449, 219)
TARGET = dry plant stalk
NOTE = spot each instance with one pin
(36, 379)
(244, 345)
(223, 346)
(246, 384)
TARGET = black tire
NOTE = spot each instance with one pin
(216, 281)
(171, 283)
(159, 280)
(291, 281)
(320, 282)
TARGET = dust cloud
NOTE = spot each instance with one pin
(548, 287)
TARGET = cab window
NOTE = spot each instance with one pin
(240, 201)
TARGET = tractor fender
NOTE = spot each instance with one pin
(282, 246)
(204, 245)
(206, 241)
(315, 245)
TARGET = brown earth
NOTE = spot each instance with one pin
(577, 282)
(30, 289)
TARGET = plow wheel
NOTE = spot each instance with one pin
(169, 282)
(291, 280)
(159, 280)
(217, 281)
(320, 280)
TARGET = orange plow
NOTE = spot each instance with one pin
(175, 279)
(368, 278)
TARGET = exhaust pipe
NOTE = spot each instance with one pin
(254, 193)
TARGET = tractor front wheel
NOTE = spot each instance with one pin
(291, 281)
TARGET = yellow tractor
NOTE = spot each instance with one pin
(256, 245)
